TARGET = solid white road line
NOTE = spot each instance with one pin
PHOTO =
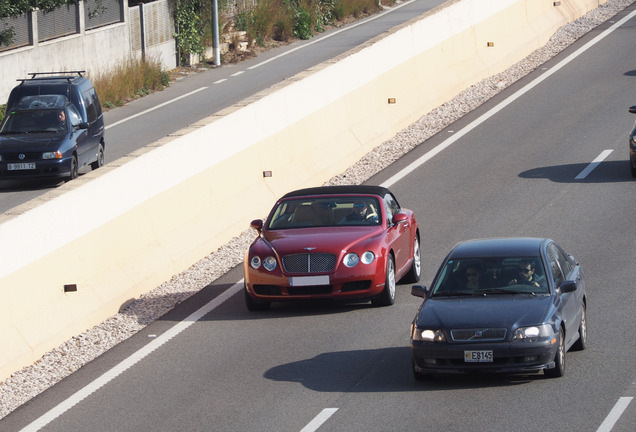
(433, 152)
(154, 108)
(596, 162)
(324, 415)
(139, 355)
(614, 414)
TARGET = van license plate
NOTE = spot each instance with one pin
(20, 166)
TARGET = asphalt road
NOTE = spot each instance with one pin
(511, 171)
(189, 100)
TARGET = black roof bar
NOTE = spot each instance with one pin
(34, 74)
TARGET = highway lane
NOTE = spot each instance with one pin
(513, 174)
(198, 96)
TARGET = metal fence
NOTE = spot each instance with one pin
(62, 21)
(18, 30)
(98, 13)
(59, 22)
(151, 24)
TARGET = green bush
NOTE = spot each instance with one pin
(189, 35)
(302, 23)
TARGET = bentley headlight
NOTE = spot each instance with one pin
(351, 259)
(533, 333)
(255, 262)
(428, 335)
(269, 263)
(368, 257)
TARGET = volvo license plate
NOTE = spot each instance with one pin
(478, 356)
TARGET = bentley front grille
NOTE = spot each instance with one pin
(309, 263)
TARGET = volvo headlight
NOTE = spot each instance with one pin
(533, 333)
(428, 335)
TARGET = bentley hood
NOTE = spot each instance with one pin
(285, 242)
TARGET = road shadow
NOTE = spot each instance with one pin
(376, 371)
(605, 172)
(180, 305)
(22, 185)
(359, 371)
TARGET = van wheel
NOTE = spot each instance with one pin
(74, 169)
(100, 158)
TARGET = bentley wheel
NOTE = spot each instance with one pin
(253, 305)
(387, 296)
(416, 268)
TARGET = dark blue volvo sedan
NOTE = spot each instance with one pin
(505, 305)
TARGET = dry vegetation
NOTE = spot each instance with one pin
(268, 24)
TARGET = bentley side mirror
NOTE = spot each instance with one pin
(399, 217)
(257, 224)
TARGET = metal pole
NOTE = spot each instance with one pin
(215, 33)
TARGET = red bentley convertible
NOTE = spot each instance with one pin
(332, 242)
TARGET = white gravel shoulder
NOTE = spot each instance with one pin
(78, 351)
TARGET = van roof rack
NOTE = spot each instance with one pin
(61, 74)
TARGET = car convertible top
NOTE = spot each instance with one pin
(339, 190)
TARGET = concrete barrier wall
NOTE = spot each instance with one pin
(124, 229)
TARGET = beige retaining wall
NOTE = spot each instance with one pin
(123, 230)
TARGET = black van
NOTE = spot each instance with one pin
(26, 151)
